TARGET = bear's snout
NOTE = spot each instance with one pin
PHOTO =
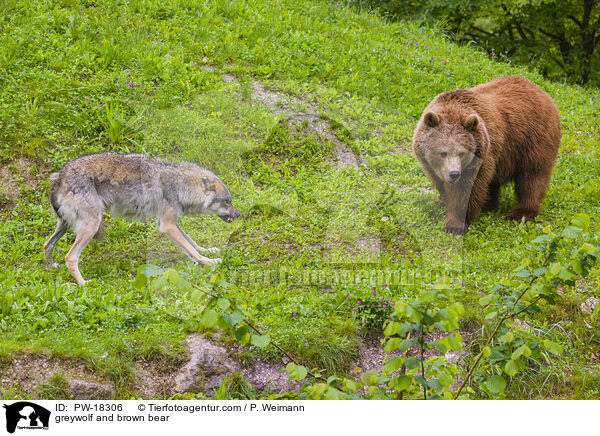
(454, 175)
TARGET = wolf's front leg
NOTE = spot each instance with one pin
(168, 226)
(196, 246)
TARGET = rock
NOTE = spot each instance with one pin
(208, 365)
(82, 390)
(452, 356)
(588, 306)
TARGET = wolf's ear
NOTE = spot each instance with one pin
(431, 119)
(471, 122)
(207, 184)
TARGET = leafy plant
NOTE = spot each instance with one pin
(372, 307)
(414, 371)
(118, 126)
(220, 310)
(508, 350)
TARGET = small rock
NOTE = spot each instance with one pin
(82, 390)
(208, 365)
(346, 157)
(452, 356)
(588, 306)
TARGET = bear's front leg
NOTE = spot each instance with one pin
(457, 203)
(455, 226)
(463, 203)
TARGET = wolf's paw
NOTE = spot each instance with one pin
(52, 265)
(213, 261)
(213, 250)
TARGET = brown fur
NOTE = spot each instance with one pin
(501, 131)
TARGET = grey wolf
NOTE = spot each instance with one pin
(472, 141)
(137, 187)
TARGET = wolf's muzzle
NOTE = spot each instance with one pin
(228, 218)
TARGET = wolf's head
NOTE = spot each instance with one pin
(224, 209)
(219, 199)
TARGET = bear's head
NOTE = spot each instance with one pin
(450, 144)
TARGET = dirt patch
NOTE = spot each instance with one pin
(229, 78)
(153, 380)
(207, 363)
(372, 245)
(277, 101)
(372, 355)
(304, 117)
(8, 190)
(346, 157)
(265, 376)
(13, 177)
(29, 371)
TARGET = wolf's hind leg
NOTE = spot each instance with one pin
(101, 229)
(83, 237)
(196, 246)
(61, 228)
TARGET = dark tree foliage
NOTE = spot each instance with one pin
(560, 38)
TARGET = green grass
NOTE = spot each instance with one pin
(66, 74)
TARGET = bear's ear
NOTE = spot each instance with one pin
(431, 119)
(471, 123)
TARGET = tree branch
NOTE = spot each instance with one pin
(576, 21)
(558, 62)
(520, 30)
(551, 35)
(485, 32)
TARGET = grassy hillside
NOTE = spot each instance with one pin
(306, 110)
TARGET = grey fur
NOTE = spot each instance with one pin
(136, 187)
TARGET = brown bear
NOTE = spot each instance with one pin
(471, 141)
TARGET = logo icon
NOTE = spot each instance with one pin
(26, 415)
